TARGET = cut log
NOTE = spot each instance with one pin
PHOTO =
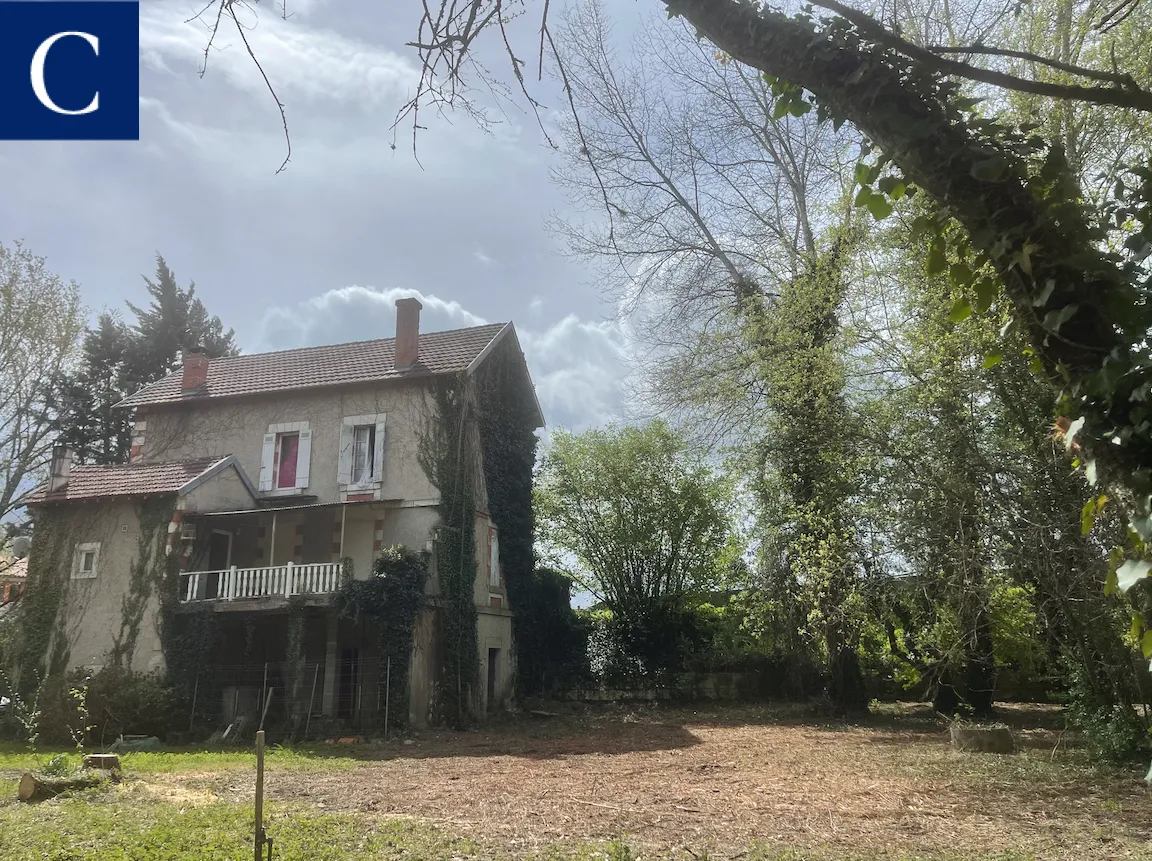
(35, 787)
(102, 761)
(983, 739)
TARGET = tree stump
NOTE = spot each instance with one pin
(39, 787)
(102, 761)
(983, 739)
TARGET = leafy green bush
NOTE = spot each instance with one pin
(1112, 732)
(116, 701)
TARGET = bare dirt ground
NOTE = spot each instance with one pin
(726, 779)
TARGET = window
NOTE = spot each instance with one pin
(363, 454)
(285, 458)
(86, 560)
(361, 451)
(493, 558)
(288, 448)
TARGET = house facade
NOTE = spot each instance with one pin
(259, 483)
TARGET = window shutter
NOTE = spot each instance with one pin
(266, 458)
(303, 458)
(378, 462)
(344, 468)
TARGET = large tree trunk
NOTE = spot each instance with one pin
(845, 680)
(1045, 256)
(980, 672)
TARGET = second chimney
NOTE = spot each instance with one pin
(407, 333)
(195, 371)
(60, 469)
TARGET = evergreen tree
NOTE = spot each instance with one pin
(120, 359)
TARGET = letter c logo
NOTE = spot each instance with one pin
(38, 86)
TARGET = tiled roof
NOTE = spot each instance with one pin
(126, 479)
(333, 365)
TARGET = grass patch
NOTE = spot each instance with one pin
(16, 759)
(119, 824)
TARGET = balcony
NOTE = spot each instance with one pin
(266, 582)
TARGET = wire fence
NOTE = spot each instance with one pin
(310, 699)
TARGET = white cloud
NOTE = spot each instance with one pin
(480, 257)
(578, 366)
(354, 313)
(313, 64)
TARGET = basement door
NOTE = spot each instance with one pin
(493, 675)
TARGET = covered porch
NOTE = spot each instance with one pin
(265, 557)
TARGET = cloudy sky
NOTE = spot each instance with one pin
(319, 253)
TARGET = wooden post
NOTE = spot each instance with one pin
(258, 844)
(267, 701)
(263, 694)
(288, 580)
(272, 544)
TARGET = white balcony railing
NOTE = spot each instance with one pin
(270, 581)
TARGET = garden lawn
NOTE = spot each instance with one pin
(753, 784)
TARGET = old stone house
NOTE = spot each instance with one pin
(255, 483)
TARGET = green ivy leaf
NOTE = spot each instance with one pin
(1146, 644)
(1131, 572)
(862, 174)
(1045, 294)
(1053, 320)
(990, 170)
(799, 107)
(1036, 366)
(893, 186)
(1088, 516)
(936, 260)
(961, 311)
(960, 274)
(991, 360)
(879, 206)
(986, 290)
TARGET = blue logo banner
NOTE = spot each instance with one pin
(69, 70)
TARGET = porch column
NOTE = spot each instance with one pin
(329, 701)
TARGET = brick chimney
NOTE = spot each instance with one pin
(407, 333)
(61, 467)
(195, 371)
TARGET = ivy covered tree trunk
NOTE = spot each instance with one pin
(1080, 311)
(808, 465)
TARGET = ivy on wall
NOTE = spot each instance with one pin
(391, 600)
(549, 646)
(41, 625)
(448, 457)
(188, 636)
(145, 576)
